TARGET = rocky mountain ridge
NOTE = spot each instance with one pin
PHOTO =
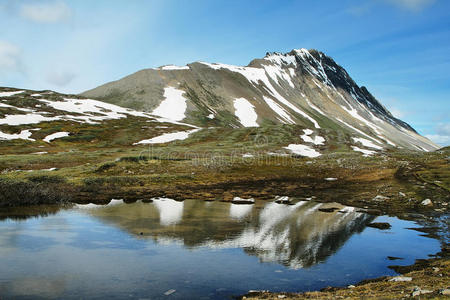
(303, 87)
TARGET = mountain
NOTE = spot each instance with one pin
(302, 87)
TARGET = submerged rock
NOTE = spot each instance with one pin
(394, 258)
(169, 292)
(380, 225)
(328, 209)
(282, 199)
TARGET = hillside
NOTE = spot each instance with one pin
(303, 87)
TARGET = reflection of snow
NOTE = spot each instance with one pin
(170, 211)
(92, 205)
(240, 211)
(291, 236)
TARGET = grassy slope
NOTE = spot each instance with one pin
(209, 165)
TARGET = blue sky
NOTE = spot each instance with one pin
(399, 49)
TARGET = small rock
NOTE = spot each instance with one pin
(393, 258)
(426, 202)
(401, 194)
(380, 198)
(400, 278)
(330, 179)
(436, 269)
(351, 286)
(169, 292)
(425, 292)
(445, 292)
(281, 296)
(239, 200)
(282, 199)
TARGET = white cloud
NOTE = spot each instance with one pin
(61, 78)
(443, 140)
(10, 57)
(46, 12)
(443, 128)
(442, 136)
(411, 5)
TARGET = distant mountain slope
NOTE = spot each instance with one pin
(39, 122)
(303, 87)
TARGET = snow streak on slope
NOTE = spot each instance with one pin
(257, 75)
(367, 143)
(56, 135)
(245, 111)
(364, 151)
(285, 118)
(168, 137)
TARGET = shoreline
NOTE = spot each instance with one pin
(425, 279)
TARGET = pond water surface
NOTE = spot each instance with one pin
(196, 249)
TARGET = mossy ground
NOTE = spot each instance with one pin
(210, 165)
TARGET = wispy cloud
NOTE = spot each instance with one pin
(365, 7)
(46, 12)
(10, 58)
(60, 78)
(360, 9)
(442, 136)
(411, 5)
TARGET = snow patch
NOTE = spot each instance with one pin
(364, 151)
(302, 150)
(173, 67)
(174, 106)
(317, 140)
(8, 94)
(257, 75)
(168, 137)
(23, 135)
(56, 135)
(367, 143)
(25, 119)
(246, 113)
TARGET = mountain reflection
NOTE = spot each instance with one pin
(296, 236)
